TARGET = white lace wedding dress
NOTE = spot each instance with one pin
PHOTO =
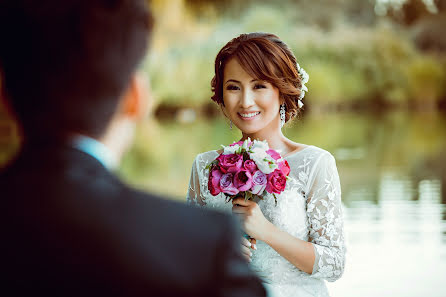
(309, 209)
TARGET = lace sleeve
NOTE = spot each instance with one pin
(325, 218)
(194, 194)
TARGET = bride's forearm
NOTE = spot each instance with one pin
(298, 252)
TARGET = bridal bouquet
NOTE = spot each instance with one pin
(248, 169)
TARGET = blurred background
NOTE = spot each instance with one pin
(376, 100)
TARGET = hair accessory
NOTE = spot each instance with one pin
(305, 77)
(282, 114)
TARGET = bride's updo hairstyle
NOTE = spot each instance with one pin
(264, 57)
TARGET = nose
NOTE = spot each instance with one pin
(247, 99)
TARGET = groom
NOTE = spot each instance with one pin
(69, 227)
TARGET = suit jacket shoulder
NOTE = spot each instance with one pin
(72, 226)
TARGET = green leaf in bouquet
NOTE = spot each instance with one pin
(212, 164)
(275, 199)
(245, 156)
(229, 198)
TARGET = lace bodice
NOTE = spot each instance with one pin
(309, 209)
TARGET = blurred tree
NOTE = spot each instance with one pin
(408, 12)
(322, 13)
(345, 45)
(425, 18)
(428, 33)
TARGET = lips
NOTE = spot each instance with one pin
(249, 115)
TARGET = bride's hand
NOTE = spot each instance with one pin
(247, 245)
(253, 221)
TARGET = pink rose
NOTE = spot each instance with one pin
(226, 184)
(240, 143)
(276, 182)
(284, 167)
(250, 165)
(275, 155)
(230, 163)
(214, 181)
(259, 180)
(243, 180)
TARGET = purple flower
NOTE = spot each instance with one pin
(259, 180)
(250, 165)
(226, 184)
(243, 180)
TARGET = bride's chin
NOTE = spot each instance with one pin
(249, 131)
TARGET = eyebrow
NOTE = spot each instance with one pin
(236, 81)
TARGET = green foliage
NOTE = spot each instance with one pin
(426, 79)
(357, 64)
(345, 63)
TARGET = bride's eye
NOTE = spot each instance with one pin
(232, 87)
(260, 86)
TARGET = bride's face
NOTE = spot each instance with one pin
(252, 105)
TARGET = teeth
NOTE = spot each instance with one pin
(249, 115)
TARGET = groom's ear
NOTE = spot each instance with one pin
(137, 101)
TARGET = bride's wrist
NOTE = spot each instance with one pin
(269, 232)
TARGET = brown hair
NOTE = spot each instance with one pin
(263, 56)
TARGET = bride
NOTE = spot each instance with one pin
(298, 243)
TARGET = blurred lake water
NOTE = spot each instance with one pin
(393, 173)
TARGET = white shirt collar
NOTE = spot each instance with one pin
(96, 149)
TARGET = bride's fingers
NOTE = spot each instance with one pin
(246, 253)
(246, 249)
(246, 242)
(239, 209)
(253, 242)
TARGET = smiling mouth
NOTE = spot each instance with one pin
(249, 115)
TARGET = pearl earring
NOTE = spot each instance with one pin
(282, 115)
(230, 124)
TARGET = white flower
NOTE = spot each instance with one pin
(228, 150)
(264, 162)
(261, 145)
(246, 144)
(304, 75)
(257, 153)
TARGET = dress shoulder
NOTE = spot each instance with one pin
(198, 191)
(203, 159)
(207, 156)
(318, 151)
(311, 156)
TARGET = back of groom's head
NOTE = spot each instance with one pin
(65, 64)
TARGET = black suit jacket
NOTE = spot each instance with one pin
(71, 228)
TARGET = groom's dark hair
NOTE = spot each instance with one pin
(66, 63)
